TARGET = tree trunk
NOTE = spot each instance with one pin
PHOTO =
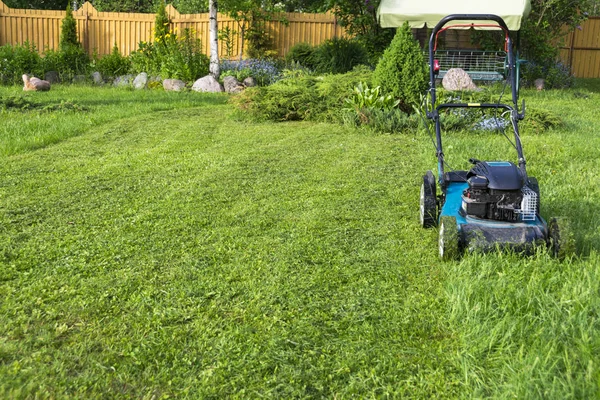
(214, 68)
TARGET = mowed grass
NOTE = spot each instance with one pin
(162, 248)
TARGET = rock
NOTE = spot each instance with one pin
(123, 80)
(174, 85)
(52, 77)
(232, 85)
(458, 79)
(35, 84)
(207, 84)
(249, 82)
(140, 81)
(539, 84)
(97, 78)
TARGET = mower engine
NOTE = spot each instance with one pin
(497, 192)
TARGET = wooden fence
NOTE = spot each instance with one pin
(100, 31)
(582, 50)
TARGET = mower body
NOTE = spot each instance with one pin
(495, 204)
(479, 233)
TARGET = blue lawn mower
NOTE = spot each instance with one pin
(495, 204)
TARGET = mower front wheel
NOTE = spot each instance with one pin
(428, 203)
(560, 237)
(449, 238)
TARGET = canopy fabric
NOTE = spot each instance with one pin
(421, 13)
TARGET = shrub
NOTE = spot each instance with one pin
(68, 30)
(381, 120)
(539, 120)
(172, 57)
(302, 54)
(401, 70)
(161, 23)
(113, 64)
(72, 58)
(265, 72)
(556, 75)
(339, 55)
(302, 97)
(18, 60)
(260, 41)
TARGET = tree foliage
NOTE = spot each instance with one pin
(544, 30)
(38, 4)
(359, 17)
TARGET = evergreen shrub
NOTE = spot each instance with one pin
(401, 71)
(72, 58)
(339, 55)
(302, 54)
(302, 97)
(114, 64)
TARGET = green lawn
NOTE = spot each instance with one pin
(153, 245)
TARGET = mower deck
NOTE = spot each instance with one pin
(484, 235)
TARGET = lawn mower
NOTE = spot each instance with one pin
(495, 204)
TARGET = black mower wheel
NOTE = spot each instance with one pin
(560, 237)
(449, 238)
(533, 185)
(428, 203)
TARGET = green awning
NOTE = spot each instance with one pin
(421, 13)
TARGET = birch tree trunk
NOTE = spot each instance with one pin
(214, 67)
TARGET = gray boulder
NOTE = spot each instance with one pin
(97, 78)
(140, 81)
(539, 84)
(249, 82)
(52, 77)
(207, 84)
(123, 81)
(174, 85)
(458, 79)
(232, 85)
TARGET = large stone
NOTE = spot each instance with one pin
(140, 81)
(35, 84)
(97, 78)
(458, 79)
(123, 80)
(539, 84)
(249, 82)
(232, 85)
(207, 84)
(52, 77)
(174, 85)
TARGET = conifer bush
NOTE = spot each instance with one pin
(303, 54)
(402, 71)
(72, 58)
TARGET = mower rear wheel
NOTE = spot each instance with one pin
(560, 237)
(428, 203)
(449, 238)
